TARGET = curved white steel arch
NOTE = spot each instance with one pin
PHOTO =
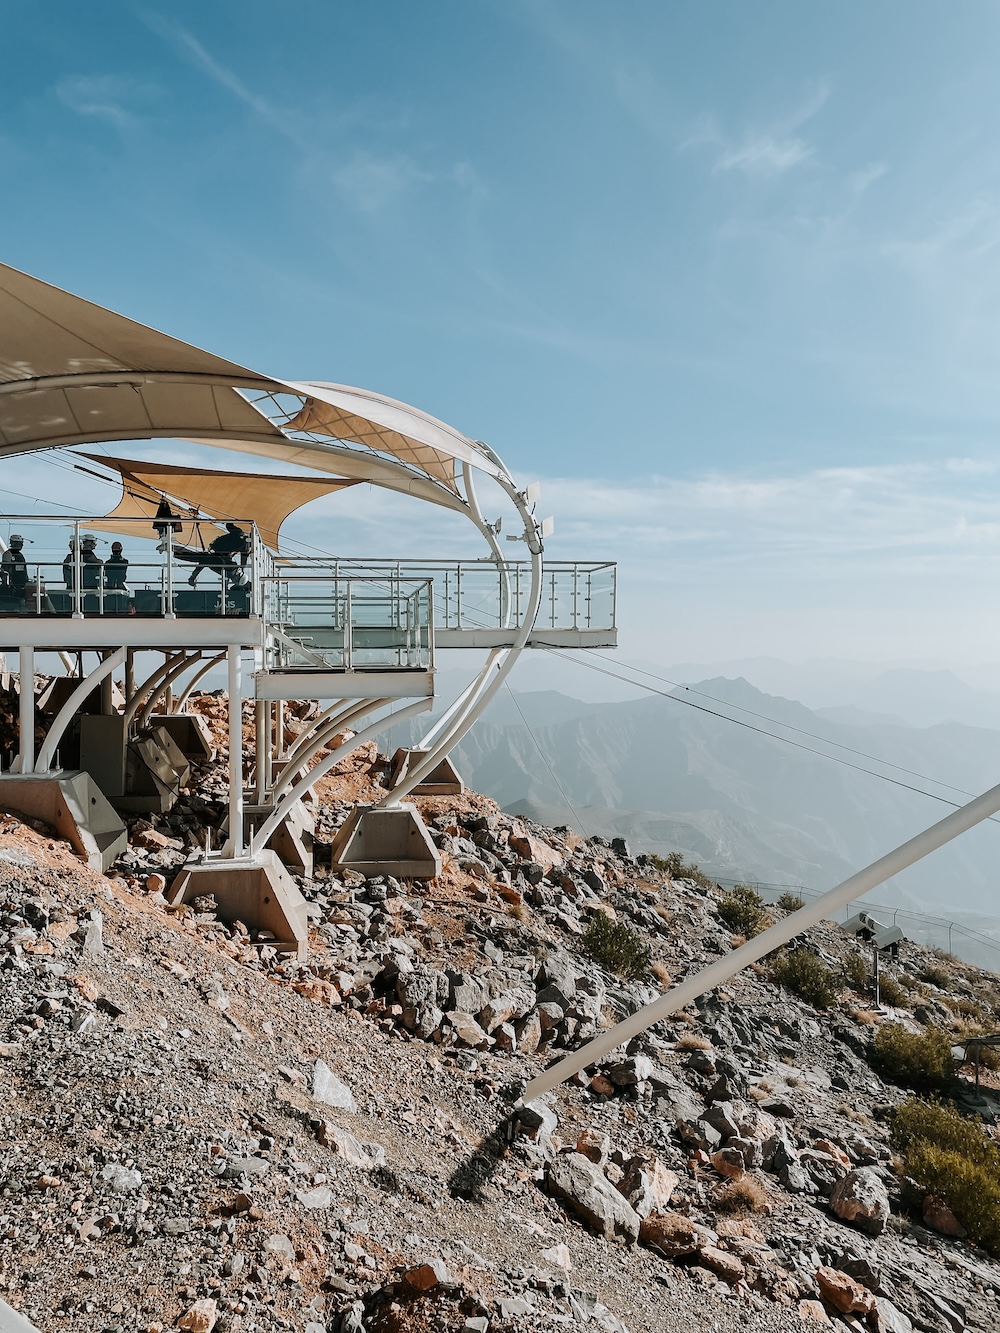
(59, 352)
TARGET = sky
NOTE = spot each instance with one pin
(724, 277)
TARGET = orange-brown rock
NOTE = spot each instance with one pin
(842, 1292)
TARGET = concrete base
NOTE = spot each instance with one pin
(258, 892)
(76, 808)
(292, 839)
(442, 780)
(189, 732)
(140, 776)
(386, 842)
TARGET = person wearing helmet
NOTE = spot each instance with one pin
(91, 563)
(14, 567)
(115, 569)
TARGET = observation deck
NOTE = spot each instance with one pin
(306, 619)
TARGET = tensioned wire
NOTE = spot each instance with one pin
(798, 745)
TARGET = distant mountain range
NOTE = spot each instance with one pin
(743, 804)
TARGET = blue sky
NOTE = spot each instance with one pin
(726, 276)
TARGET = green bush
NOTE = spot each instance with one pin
(806, 976)
(951, 1156)
(936, 975)
(921, 1061)
(892, 993)
(616, 947)
(674, 866)
(790, 902)
(743, 911)
(857, 972)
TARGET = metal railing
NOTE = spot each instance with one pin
(932, 931)
(350, 623)
(481, 594)
(80, 583)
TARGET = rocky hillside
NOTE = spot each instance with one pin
(199, 1133)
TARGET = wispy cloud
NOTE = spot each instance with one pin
(103, 97)
(761, 151)
(373, 183)
(220, 74)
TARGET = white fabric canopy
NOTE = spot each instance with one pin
(263, 499)
(72, 372)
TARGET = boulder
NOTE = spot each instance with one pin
(529, 848)
(467, 994)
(673, 1235)
(647, 1184)
(575, 1180)
(467, 1031)
(723, 1265)
(939, 1217)
(861, 1199)
(842, 1293)
(328, 1089)
(595, 1145)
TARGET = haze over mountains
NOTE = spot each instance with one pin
(744, 804)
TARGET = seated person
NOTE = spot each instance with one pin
(14, 567)
(91, 563)
(115, 569)
(165, 520)
(220, 555)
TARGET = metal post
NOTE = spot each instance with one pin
(168, 611)
(129, 673)
(26, 712)
(235, 751)
(875, 971)
(716, 974)
(263, 748)
(348, 627)
(77, 574)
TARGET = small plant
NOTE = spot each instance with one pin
(806, 976)
(616, 947)
(856, 972)
(743, 911)
(692, 1041)
(890, 992)
(951, 1156)
(936, 976)
(674, 866)
(967, 1008)
(661, 972)
(745, 1195)
(921, 1061)
(790, 902)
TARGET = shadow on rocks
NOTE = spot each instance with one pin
(472, 1175)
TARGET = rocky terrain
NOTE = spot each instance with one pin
(197, 1132)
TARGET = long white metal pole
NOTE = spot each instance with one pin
(235, 751)
(688, 990)
(26, 711)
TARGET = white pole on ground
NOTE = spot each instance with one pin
(688, 990)
(235, 847)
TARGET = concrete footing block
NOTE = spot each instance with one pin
(13, 1322)
(257, 891)
(386, 842)
(292, 839)
(75, 806)
(444, 778)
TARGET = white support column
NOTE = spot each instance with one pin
(26, 716)
(235, 751)
(263, 749)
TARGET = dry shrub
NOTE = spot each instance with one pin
(745, 1195)
(520, 912)
(921, 1061)
(936, 975)
(805, 975)
(851, 1113)
(864, 1016)
(692, 1041)
(735, 941)
(758, 1094)
(661, 972)
(664, 913)
(743, 912)
(857, 972)
(953, 1157)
